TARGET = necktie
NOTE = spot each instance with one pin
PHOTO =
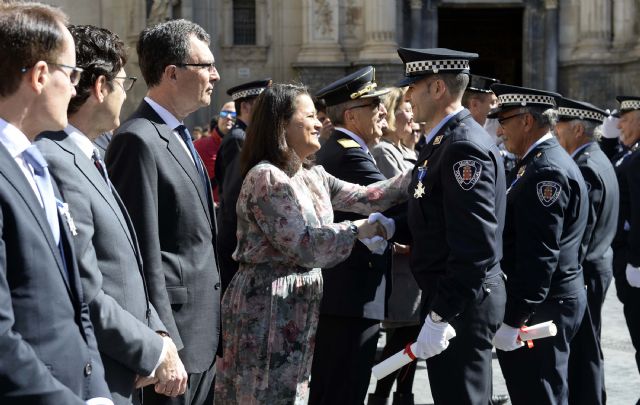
(186, 137)
(99, 164)
(43, 182)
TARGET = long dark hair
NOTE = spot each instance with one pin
(266, 135)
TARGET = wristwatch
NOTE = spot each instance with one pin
(435, 317)
(354, 228)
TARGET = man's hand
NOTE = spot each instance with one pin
(434, 338)
(506, 338)
(388, 223)
(171, 374)
(633, 276)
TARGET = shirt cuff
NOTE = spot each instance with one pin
(163, 354)
(99, 401)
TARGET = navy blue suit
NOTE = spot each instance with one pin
(547, 213)
(48, 351)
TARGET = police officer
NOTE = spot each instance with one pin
(626, 245)
(456, 217)
(354, 293)
(575, 130)
(547, 208)
(228, 175)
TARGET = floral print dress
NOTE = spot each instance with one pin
(271, 308)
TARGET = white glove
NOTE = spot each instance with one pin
(610, 127)
(633, 276)
(377, 245)
(434, 338)
(388, 223)
(506, 338)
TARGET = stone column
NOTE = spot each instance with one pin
(551, 45)
(624, 23)
(430, 24)
(320, 40)
(416, 22)
(594, 28)
(569, 14)
(379, 26)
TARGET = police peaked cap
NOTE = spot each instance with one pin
(419, 63)
(515, 96)
(481, 84)
(247, 90)
(628, 103)
(359, 84)
(569, 109)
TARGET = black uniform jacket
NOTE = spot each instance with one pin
(627, 167)
(602, 186)
(457, 203)
(547, 211)
(358, 286)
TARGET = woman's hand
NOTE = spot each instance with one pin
(367, 230)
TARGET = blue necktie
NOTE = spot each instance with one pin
(186, 137)
(43, 182)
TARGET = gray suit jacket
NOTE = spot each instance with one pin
(175, 223)
(48, 352)
(110, 267)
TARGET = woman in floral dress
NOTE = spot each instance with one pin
(285, 235)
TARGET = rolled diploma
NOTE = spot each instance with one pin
(402, 358)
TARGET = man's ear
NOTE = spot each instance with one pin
(38, 77)
(100, 88)
(578, 130)
(170, 72)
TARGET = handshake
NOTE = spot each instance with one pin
(374, 232)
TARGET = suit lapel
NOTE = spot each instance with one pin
(179, 154)
(90, 172)
(15, 177)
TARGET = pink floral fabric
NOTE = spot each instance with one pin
(270, 310)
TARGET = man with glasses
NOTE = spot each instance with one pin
(354, 292)
(128, 330)
(626, 252)
(547, 211)
(456, 216)
(162, 181)
(48, 348)
(227, 174)
(208, 146)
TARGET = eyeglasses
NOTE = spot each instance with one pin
(375, 105)
(74, 74)
(210, 66)
(127, 82)
(228, 114)
(501, 121)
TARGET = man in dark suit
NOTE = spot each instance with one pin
(456, 217)
(161, 179)
(228, 175)
(626, 245)
(354, 292)
(546, 222)
(575, 130)
(127, 326)
(47, 346)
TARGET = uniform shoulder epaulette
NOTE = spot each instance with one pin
(348, 143)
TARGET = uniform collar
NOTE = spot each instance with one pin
(355, 137)
(544, 138)
(439, 126)
(581, 148)
(14, 140)
(81, 141)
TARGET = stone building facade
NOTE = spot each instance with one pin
(587, 49)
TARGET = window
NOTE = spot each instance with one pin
(244, 22)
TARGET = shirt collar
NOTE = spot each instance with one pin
(575, 152)
(166, 116)
(544, 137)
(14, 140)
(437, 128)
(81, 141)
(355, 137)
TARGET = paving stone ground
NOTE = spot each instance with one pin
(621, 375)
